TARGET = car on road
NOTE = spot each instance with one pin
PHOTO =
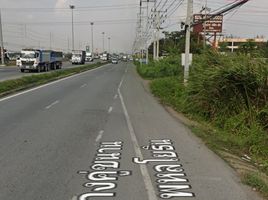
(114, 61)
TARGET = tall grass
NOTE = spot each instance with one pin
(230, 92)
(169, 66)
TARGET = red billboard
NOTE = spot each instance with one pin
(208, 23)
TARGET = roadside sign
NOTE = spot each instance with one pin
(208, 23)
(87, 49)
(183, 59)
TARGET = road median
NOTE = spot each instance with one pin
(12, 86)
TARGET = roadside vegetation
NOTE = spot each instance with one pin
(228, 95)
(11, 86)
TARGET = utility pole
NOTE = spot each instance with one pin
(157, 34)
(72, 7)
(2, 41)
(109, 44)
(154, 25)
(188, 38)
(103, 33)
(204, 25)
(147, 24)
(68, 44)
(25, 35)
(92, 42)
(50, 41)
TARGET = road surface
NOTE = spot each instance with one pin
(100, 135)
(12, 72)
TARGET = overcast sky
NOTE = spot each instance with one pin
(31, 23)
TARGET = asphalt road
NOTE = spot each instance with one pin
(100, 135)
(12, 72)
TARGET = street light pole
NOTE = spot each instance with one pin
(103, 41)
(72, 7)
(109, 44)
(188, 37)
(92, 45)
(2, 42)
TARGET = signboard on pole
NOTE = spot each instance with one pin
(208, 23)
(183, 59)
(87, 48)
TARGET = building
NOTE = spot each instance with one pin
(233, 43)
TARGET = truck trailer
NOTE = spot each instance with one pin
(78, 57)
(39, 60)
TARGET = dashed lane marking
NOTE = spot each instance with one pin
(84, 85)
(52, 104)
(98, 138)
(110, 109)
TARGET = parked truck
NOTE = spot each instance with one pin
(78, 57)
(39, 60)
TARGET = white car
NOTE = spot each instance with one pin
(114, 61)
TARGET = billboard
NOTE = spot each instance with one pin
(208, 23)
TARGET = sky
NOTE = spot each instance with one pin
(47, 23)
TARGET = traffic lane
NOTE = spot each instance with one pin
(13, 72)
(42, 149)
(206, 175)
(115, 132)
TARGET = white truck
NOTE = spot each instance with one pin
(78, 57)
(89, 57)
(39, 60)
(105, 57)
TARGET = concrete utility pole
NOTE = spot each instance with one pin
(103, 33)
(92, 45)
(50, 41)
(204, 25)
(68, 44)
(24, 31)
(147, 24)
(157, 34)
(72, 7)
(2, 41)
(109, 45)
(188, 38)
(154, 33)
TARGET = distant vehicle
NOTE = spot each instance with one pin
(124, 58)
(114, 61)
(105, 57)
(78, 57)
(89, 57)
(39, 60)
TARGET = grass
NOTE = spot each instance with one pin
(254, 180)
(227, 95)
(10, 86)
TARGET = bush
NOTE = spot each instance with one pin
(170, 66)
(229, 92)
(223, 86)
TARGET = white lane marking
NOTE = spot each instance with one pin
(51, 83)
(144, 171)
(84, 85)
(115, 96)
(110, 109)
(99, 135)
(53, 104)
(121, 82)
